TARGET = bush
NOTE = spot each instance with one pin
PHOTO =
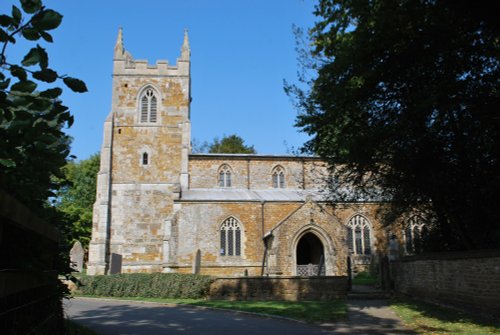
(155, 285)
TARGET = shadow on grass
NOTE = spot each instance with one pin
(428, 318)
(310, 311)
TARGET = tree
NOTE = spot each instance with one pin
(405, 100)
(34, 146)
(232, 144)
(77, 198)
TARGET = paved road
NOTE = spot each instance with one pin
(372, 317)
(109, 317)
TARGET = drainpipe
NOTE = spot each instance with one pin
(248, 173)
(303, 174)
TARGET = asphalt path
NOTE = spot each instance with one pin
(113, 317)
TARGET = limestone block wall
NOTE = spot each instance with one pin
(163, 140)
(468, 280)
(255, 172)
(275, 212)
(379, 238)
(198, 227)
(282, 288)
(162, 144)
(138, 215)
(203, 171)
(309, 218)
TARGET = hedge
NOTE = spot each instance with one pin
(154, 285)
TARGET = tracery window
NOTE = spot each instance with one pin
(225, 176)
(149, 106)
(230, 238)
(359, 235)
(415, 232)
(278, 177)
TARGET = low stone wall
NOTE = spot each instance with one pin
(279, 288)
(467, 280)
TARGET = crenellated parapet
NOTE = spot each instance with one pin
(125, 64)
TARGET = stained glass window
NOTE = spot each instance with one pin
(230, 238)
(359, 235)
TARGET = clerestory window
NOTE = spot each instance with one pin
(359, 235)
(230, 238)
(278, 177)
(149, 106)
(225, 176)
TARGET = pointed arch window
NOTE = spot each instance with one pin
(359, 235)
(415, 232)
(225, 176)
(149, 106)
(230, 238)
(278, 177)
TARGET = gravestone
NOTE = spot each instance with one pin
(197, 262)
(115, 266)
(76, 255)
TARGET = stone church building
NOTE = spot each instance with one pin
(161, 208)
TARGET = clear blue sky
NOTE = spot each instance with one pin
(241, 50)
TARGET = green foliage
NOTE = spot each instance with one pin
(77, 198)
(364, 278)
(406, 97)
(232, 144)
(155, 285)
(34, 146)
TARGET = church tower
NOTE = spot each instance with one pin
(144, 161)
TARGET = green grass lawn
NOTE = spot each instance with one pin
(309, 311)
(430, 319)
(364, 278)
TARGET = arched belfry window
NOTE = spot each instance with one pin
(415, 232)
(278, 177)
(224, 176)
(149, 106)
(230, 238)
(359, 235)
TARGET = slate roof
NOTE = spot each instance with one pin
(225, 194)
(284, 195)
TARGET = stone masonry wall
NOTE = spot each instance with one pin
(135, 195)
(198, 226)
(283, 288)
(255, 172)
(467, 280)
(309, 218)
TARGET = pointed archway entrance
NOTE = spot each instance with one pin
(310, 256)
